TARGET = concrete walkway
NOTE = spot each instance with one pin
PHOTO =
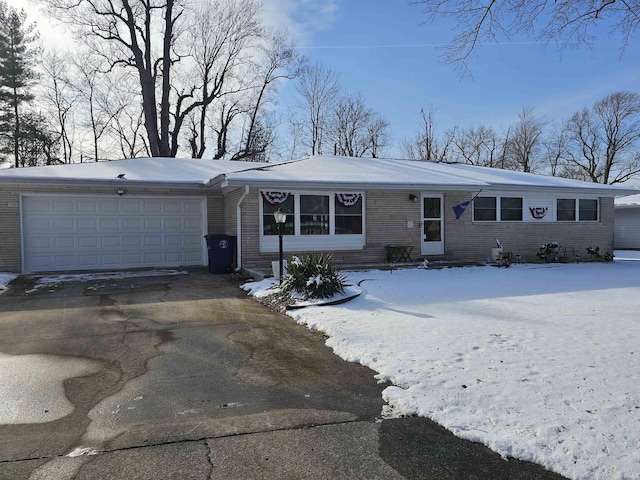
(184, 377)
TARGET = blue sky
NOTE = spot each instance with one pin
(385, 50)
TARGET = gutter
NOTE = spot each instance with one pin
(239, 227)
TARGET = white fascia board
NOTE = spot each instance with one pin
(57, 182)
(339, 186)
(556, 190)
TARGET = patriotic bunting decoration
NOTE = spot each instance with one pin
(348, 199)
(275, 198)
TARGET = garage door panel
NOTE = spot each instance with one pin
(88, 260)
(64, 242)
(173, 223)
(110, 241)
(131, 206)
(153, 257)
(193, 257)
(132, 241)
(39, 224)
(109, 206)
(111, 260)
(40, 206)
(39, 242)
(63, 224)
(64, 260)
(192, 240)
(131, 223)
(63, 206)
(87, 206)
(85, 224)
(88, 242)
(152, 206)
(153, 241)
(109, 223)
(133, 259)
(95, 232)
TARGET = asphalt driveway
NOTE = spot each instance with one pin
(185, 377)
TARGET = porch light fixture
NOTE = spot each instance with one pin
(413, 198)
(281, 218)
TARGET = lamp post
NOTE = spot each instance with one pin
(281, 218)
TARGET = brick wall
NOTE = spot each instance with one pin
(388, 213)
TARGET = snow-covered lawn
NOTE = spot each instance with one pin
(538, 362)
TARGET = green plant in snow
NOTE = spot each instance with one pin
(313, 276)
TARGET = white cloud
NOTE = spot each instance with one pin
(302, 18)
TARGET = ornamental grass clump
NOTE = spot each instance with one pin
(313, 276)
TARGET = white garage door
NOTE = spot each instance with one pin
(627, 228)
(62, 233)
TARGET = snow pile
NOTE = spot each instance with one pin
(5, 279)
(538, 362)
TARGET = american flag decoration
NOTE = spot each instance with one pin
(275, 198)
(348, 199)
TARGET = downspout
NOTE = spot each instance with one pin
(239, 227)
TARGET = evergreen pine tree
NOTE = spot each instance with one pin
(17, 74)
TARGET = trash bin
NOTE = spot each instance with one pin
(222, 249)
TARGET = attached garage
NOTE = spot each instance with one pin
(64, 232)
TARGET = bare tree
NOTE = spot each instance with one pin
(60, 98)
(222, 36)
(281, 62)
(477, 146)
(603, 143)
(428, 145)
(523, 146)
(378, 135)
(567, 22)
(137, 34)
(357, 130)
(96, 95)
(319, 88)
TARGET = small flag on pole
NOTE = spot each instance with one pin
(460, 208)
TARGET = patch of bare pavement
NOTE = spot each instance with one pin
(184, 377)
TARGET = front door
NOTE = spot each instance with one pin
(432, 225)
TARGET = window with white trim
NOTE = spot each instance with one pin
(271, 202)
(316, 221)
(314, 215)
(511, 209)
(484, 209)
(497, 209)
(348, 215)
(581, 209)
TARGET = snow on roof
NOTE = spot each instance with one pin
(322, 171)
(628, 201)
(352, 171)
(148, 170)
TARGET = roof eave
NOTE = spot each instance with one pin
(116, 182)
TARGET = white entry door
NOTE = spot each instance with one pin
(69, 232)
(432, 225)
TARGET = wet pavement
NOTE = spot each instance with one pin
(185, 377)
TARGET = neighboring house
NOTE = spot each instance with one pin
(627, 222)
(155, 212)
